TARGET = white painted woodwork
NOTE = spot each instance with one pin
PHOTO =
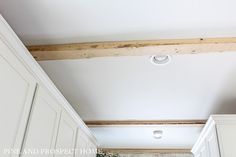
(43, 124)
(80, 144)
(17, 88)
(203, 151)
(217, 138)
(84, 146)
(209, 146)
(227, 139)
(35, 69)
(212, 143)
(23, 125)
(93, 149)
(66, 135)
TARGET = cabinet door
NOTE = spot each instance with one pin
(43, 125)
(17, 88)
(204, 151)
(212, 143)
(81, 145)
(84, 147)
(66, 136)
(227, 139)
(92, 149)
(197, 154)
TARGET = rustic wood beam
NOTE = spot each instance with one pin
(143, 151)
(145, 122)
(132, 48)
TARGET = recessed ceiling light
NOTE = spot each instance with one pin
(157, 134)
(160, 59)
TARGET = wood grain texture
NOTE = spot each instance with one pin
(146, 122)
(132, 48)
(144, 151)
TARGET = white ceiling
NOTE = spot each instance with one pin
(122, 88)
(67, 21)
(125, 88)
(142, 137)
(132, 88)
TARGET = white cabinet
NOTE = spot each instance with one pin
(212, 142)
(66, 136)
(43, 125)
(227, 138)
(84, 146)
(217, 138)
(203, 151)
(208, 147)
(17, 88)
(81, 145)
(32, 122)
(92, 148)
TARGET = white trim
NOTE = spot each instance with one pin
(213, 121)
(210, 123)
(223, 119)
(34, 68)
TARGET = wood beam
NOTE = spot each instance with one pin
(146, 122)
(143, 151)
(132, 48)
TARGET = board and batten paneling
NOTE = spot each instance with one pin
(24, 125)
(217, 138)
(17, 88)
(43, 125)
(27, 61)
(212, 142)
(227, 137)
(66, 136)
(84, 146)
(81, 144)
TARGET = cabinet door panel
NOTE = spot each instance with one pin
(227, 138)
(203, 150)
(84, 147)
(43, 125)
(81, 145)
(17, 88)
(92, 148)
(212, 143)
(197, 155)
(66, 136)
